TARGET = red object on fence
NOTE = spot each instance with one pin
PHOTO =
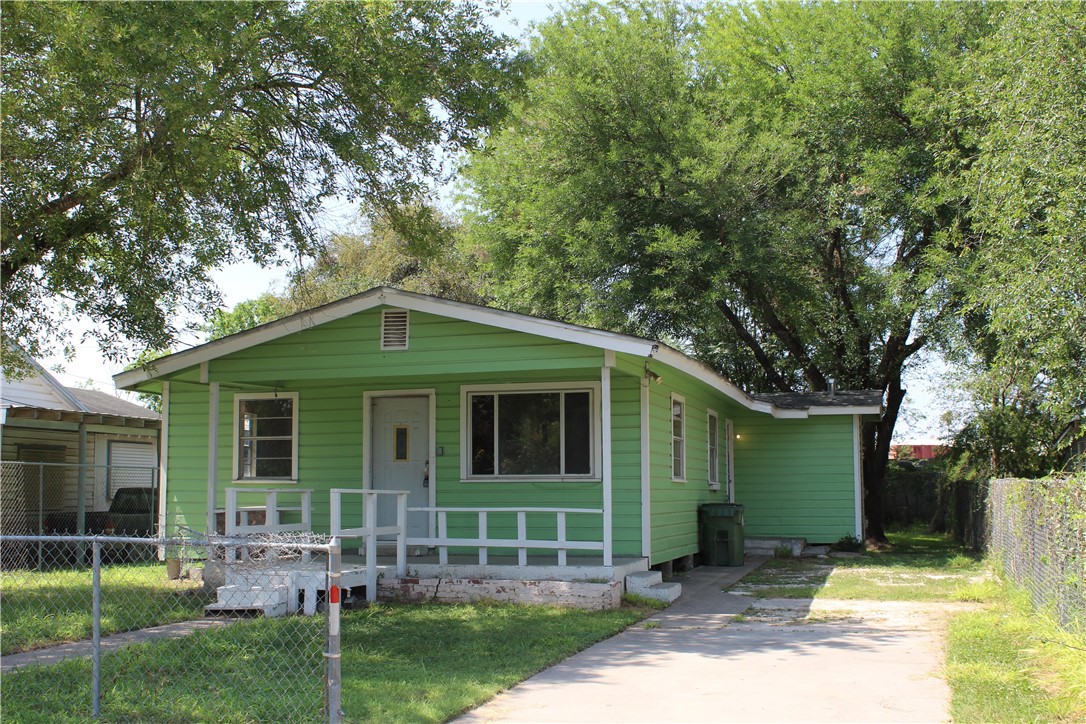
(333, 594)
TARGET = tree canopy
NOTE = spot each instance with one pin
(147, 143)
(349, 263)
(752, 181)
(1027, 279)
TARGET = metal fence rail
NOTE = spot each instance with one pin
(1037, 529)
(132, 631)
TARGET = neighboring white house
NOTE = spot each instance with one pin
(56, 440)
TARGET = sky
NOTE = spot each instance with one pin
(927, 381)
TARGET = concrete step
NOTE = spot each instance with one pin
(641, 580)
(768, 545)
(664, 591)
(270, 600)
(650, 584)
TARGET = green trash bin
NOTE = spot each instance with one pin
(720, 528)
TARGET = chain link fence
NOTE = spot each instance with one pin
(1037, 529)
(190, 628)
(40, 498)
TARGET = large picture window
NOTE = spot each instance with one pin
(530, 433)
(265, 436)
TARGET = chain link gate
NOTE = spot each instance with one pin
(119, 624)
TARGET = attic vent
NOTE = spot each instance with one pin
(394, 329)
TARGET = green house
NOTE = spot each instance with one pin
(499, 427)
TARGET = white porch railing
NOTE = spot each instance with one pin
(239, 518)
(369, 530)
(522, 542)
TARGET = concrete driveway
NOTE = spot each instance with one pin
(782, 661)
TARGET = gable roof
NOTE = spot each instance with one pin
(103, 403)
(382, 296)
(37, 389)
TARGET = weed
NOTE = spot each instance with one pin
(1012, 663)
(636, 600)
(782, 551)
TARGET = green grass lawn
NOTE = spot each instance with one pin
(44, 608)
(919, 567)
(418, 663)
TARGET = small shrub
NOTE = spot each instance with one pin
(848, 543)
(782, 552)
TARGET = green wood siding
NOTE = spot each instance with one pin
(350, 348)
(674, 504)
(796, 477)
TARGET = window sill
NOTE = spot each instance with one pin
(264, 481)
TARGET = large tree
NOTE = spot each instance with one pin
(1028, 200)
(751, 181)
(147, 143)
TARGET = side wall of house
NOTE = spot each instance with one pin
(674, 503)
(796, 477)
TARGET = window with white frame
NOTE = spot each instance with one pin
(536, 432)
(713, 436)
(678, 438)
(266, 436)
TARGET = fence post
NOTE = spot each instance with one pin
(41, 510)
(332, 681)
(96, 629)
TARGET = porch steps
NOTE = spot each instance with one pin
(650, 585)
(269, 600)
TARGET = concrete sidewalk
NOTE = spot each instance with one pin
(783, 661)
(84, 649)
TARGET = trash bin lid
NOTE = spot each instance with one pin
(723, 510)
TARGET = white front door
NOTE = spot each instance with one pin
(399, 457)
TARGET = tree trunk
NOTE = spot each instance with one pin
(875, 452)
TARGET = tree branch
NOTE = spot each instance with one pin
(752, 344)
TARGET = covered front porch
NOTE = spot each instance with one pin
(381, 561)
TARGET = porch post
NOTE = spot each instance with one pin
(212, 453)
(605, 402)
